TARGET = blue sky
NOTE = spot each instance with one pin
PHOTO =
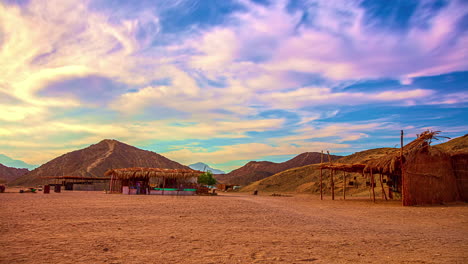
(225, 82)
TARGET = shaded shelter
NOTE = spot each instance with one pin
(153, 181)
(420, 173)
(342, 167)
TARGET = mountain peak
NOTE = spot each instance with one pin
(205, 167)
(110, 141)
(94, 160)
(8, 174)
(9, 162)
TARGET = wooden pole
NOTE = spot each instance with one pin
(370, 187)
(384, 195)
(321, 184)
(344, 185)
(332, 183)
(403, 189)
(164, 185)
(111, 183)
(373, 185)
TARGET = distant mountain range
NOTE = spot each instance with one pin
(96, 159)
(8, 174)
(257, 170)
(204, 167)
(7, 161)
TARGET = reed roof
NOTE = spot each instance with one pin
(391, 163)
(130, 173)
(76, 178)
(342, 167)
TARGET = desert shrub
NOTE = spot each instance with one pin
(207, 178)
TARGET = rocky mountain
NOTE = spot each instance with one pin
(9, 162)
(204, 167)
(8, 174)
(257, 170)
(94, 160)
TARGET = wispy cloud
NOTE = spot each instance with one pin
(249, 151)
(219, 73)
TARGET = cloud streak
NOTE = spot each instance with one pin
(93, 71)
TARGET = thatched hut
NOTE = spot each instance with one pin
(153, 181)
(421, 174)
(429, 178)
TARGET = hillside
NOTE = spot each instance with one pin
(204, 167)
(8, 174)
(257, 170)
(459, 144)
(306, 179)
(94, 160)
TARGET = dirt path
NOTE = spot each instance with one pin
(93, 165)
(92, 227)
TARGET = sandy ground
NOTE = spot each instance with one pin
(93, 227)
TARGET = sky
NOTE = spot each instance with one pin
(228, 81)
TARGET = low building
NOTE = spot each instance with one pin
(153, 181)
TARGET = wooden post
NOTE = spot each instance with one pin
(370, 187)
(384, 195)
(390, 192)
(332, 183)
(321, 184)
(111, 183)
(344, 185)
(373, 185)
(164, 185)
(403, 189)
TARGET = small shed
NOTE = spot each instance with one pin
(78, 183)
(157, 181)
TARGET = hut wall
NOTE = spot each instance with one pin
(97, 186)
(460, 167)
(429, 178)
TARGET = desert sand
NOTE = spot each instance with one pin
(94, 227)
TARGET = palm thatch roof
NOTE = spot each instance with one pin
(391, 163)
(129, 173)
(342, 167)
(76, 178)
